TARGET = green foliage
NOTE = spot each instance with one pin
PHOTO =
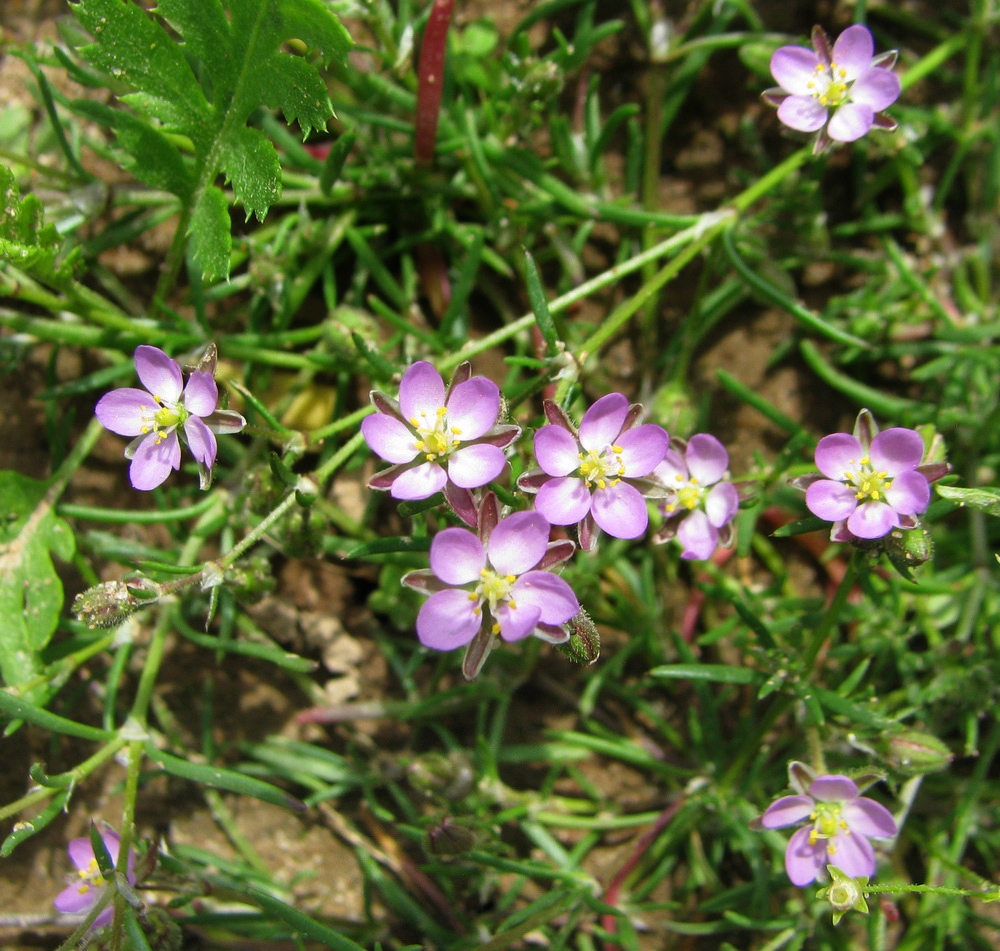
(193, 100)
(25, 240)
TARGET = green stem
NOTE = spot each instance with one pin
(831, 615)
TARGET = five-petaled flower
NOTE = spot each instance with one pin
(87, 884)
(498, 585)
(700, 502)
(838, 93)
(873, 483)
(595, 478)
(838, 822)
(167, 407)
(435, 439)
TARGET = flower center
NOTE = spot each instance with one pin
(687, 494)
(493, 588)
(90, 876)
(829, 85)
(596, 467)
(827, 824)
(162, 419)
(436, 437)
(868, 483)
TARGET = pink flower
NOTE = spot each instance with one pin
(87, 884)
(437, 440)
(838, 94)
(839, 820)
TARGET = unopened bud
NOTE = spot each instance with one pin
(444, 775)
(109, 604)
(844, 893)
(913, 752)
(450, 837)
(584, 644)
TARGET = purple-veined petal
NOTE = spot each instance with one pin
(620, 511)
(551, 633)
(473, 466)
(602, 423)
(909, 493)
(872, 520)
(838, 455)
(516, 622)
(76, 899)
(851, 121)
(158, 373)
(201, 395)
(803, 862)
(852, 854)
(473, 408)
(421, 393)
(551, 594)
(557, 451)
(833, 788)
(153, 461)
(563, 501)
(420, 482)
(463, 503)
(722, 503)
(448, 619)
(457, 556)
(389, 439)
(877, 88)
(868, 817)
(830, 500)
(476, 652)
(698, 536)
(518, 542)
(223, 422)
(643, 449)
(706, 458)
(852, 52)
(896, 450)
(793, 68)
(840, 533)
(803, 113)
(556, 552)
(588, 532)
(201, 441)
(787, 811)
(885, 122)
(532, 480)
(126, 411)
(501, 436)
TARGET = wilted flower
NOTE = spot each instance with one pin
(157, 415)
(839, 821)
(436, 439)
(87, 884)
(495, 586)
(700, 502)
(844, 893)
(595, 477)
(837, 93)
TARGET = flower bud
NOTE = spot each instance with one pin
(110, 603)
(844, 893)
(584, 644)
(450, 837)
(442, 775)
(913, 752)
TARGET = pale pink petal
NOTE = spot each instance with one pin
(200, 440)
(803, 113)
(421, 394)
(698, 536)
(420, 482)
(476, 465)
(830, 500)
(126, 411)
(457, 556)
(517, 622)
(557, 452)
(473, 408)
(81, 853)
(868, 817)
(620, 511)
(448, 619)
(896, 450)
(838, 456)
(722, 503)
(803, 861)
(201, 395)
(672, 471)
(643, 449)
(603, 422)
(851, 121)
(794, 67)
(389, 439)
(158, 373)
(77, 899)
(707, 459)
(518, 542)
(833, 787)
(877, 88)
(551, 594)
(852, 52)
(563, 501)
(909, 493)
(153, 461)
(872, 520)
(787, 811)
(852, 854)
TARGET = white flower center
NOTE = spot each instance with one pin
(436, 437)
(493, 588)
(868, 483)
(827, 823)
(687, 493)
(163, 418)
(604, 468)
(829, 85)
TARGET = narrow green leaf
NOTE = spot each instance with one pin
(25, 829)
(854, 711)
(306, 926)
(810, 524)
(539, 304)
(333, 164)
(211, 241)
(986, 499)
(385, 546)
(16, 708)
(719, 673)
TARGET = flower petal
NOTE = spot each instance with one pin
(517, 622)
(201, 441)
(830, 500)
(868, 817)
(786, 811)
(896, 450)
(448, 619)
(603, 422)
(794, 67)
(476, 465)
(878, 88)
(672, 471)
(551, 594)
(557, 451)
(563, 501)
(722, 503)
(419, 483)
(803, 113)
(225, 421)
(698, 536)
(473, 408)
(620, 510)
(388, 438)
(833, 787)
(804, 861)
(153, 461)
(852, 52)
(76, 899)
(158, 373)
(457, 556)
(643, 449)
(851, 121)
(872, 520)
(518, 542)
(852, 854)
(838, 455)
(910, 493)
(81, 853)
(126, 411)
(707, 459)
(201, 395)
(421, 393)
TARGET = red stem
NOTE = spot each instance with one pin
(430, 73)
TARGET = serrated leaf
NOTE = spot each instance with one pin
(31, 594)
(211, 241)
(25, 240)
(985, 499)
(296, 89)
(251, 164)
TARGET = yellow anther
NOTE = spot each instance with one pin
(83, 889)
(679, 478)
(441, 410)
(495, 629)
(617, 449)
(473, 597)
(510, 579)
(430, 457)
(601, 484)
(420, 445)
(415, 421)
(456, 430)
(865, 461)
(512, 604)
